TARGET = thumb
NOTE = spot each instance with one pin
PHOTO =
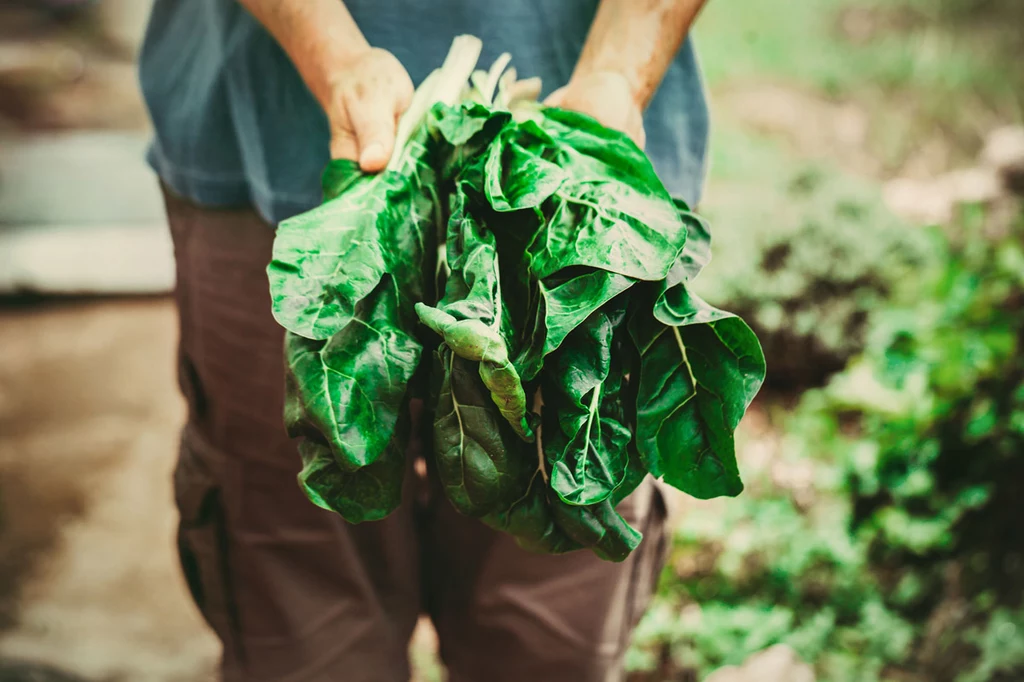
(373, 123)
(556, 98)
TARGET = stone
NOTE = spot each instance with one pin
(775, 664)
(1004, 151)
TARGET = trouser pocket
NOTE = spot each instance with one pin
(652, 557)
(203, 546)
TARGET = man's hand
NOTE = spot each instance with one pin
(362, 90)
(608, 97)
(363, 101)
(630, 46)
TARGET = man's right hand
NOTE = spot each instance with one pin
(363, 90)
(363, 102)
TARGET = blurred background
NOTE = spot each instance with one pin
(867, 166)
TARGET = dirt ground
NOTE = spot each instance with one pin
(89, 413)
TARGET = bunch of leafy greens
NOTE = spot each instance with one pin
(537, 257)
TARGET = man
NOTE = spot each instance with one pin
(248, 99)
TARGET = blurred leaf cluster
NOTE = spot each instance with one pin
(904, 559)
(809, 278)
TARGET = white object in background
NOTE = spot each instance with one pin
(774, 664)
(121, 259)
(81, 213)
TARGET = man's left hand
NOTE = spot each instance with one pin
(608, 97)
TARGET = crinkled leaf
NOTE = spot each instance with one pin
(541, 522)
(352, 386)
(366, 494)
(460, 125)
(697, 378)
(697, 250)
(636, 472)
(339, 175)
(586, 436)
(518, 178)
(611, 211)
(329, 258)
(469, 317)
(475, 450)
(597, 526)
(603, 152)
(530, 521)
(559, 306)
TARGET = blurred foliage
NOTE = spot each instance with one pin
(921, 68)
(811, 254)
(903, 559)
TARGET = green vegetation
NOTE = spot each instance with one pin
(903, 560)
(807, 258)
(797, 184)
(881, 541)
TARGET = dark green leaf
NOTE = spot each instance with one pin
(697, 378)
(697, 250)
(339, 175)
(611, 212)
(517, 178)
(586, 436)
(561, 305)
(352, 386)
(541, 522)
(366, 494)
(328, 259)
(476, 451)
(469, 317)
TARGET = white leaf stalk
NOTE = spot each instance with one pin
(444, 84)
(457, 80)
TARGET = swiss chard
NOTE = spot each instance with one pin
(541, 256)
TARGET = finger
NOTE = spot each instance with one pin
(555, 98)
(528, 89)
(374, 121)
(344, 145)
(639, 136)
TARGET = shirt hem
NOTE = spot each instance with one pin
(225, 191)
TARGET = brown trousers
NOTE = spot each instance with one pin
(298, 595)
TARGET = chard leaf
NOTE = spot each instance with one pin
(469, 317)
(559, 305)
(697, 250)
(459, 125)
(529, 519)
(611, 226)
(313, 250)
(700, 367)
(611, 212)
(338, 176)
(475, 450)
(598, 527)
(541, 522)
(636, 472)
(366, 494)
(352, 386)
(518, 178)
(586, 436)
(329, 258)
(604, 205)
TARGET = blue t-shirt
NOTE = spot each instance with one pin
(235, 125)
